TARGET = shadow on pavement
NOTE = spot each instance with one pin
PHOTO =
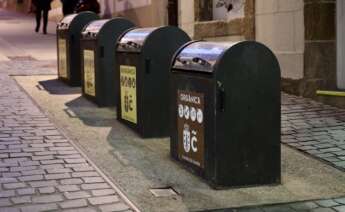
(89, 113)
(79, 107)
(54, 86)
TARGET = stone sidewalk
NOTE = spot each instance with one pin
(18, 39)
(40, 168)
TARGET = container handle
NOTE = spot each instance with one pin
(221, 99)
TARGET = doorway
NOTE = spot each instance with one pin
(173, 12)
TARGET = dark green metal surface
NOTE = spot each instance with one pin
(72, 35)
(152, 62)
(104, 46)
(241, 117)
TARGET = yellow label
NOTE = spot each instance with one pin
(62, 58)
(128, 83)
(89, 73)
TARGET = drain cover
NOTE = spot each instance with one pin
(163, 192)
(70, 113)
(39, 87)
(21, 58)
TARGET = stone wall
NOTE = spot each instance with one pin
(320, 46)
(14, 5)
(319, 69)
(153, 14)
(302, 33)
(280, 26)
(205, 28)
(196, 19)
(187, 16)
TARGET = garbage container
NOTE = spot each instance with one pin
(68, 46)
(98, 46)
(225, 112)
(144, 56)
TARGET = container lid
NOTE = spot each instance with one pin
(92, 29)
(201, 56)
(134, 39)
(66, 21)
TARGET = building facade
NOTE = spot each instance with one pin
(307, 36)
(302, 34)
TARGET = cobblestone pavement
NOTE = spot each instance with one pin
(314, 128)
(27, 67)
(40, 169)
(330, 205)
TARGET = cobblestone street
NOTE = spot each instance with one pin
(314, 128)
(41, 169)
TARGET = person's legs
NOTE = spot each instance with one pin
(38, 20)
(45, 21)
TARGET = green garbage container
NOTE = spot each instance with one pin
(98, 46)
(143, 67)
(225, 112)
(68, 46)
